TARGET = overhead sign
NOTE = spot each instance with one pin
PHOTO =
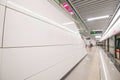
(96, 32)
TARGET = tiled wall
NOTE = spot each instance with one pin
(35, 45)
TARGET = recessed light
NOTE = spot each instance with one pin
(97, 18)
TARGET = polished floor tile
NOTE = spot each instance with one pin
(88, 69)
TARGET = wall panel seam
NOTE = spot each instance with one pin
(51, 66)
(3, 31)
(34, 15)
(40, 46)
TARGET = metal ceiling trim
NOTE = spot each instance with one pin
(77, 3)
(97, 3)
(95, 9)
(87, 3)
(77, 14)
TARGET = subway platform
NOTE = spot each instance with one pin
(46, 39)
(95, 66)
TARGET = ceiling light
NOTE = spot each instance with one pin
(97, 18)
(97, 36)
(68, 23)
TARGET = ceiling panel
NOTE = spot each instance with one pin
(95, 8)
(97, 25)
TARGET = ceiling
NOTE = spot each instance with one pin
(95, 8)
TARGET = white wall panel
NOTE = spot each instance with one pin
(0, 63)
(24, 30)
(58, 70)
(20, 63)
(43, 8)
(2, 9)
(2, 2)
(72, 27)
(34, 49)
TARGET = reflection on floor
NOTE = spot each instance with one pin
(88, 69)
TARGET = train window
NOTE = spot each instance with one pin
(118, 48)
(107, 45)
(112, 45)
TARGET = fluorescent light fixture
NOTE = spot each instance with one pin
(68, 23)
(97, 36)
(97, 18)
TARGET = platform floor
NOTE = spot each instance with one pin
(88, 69)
